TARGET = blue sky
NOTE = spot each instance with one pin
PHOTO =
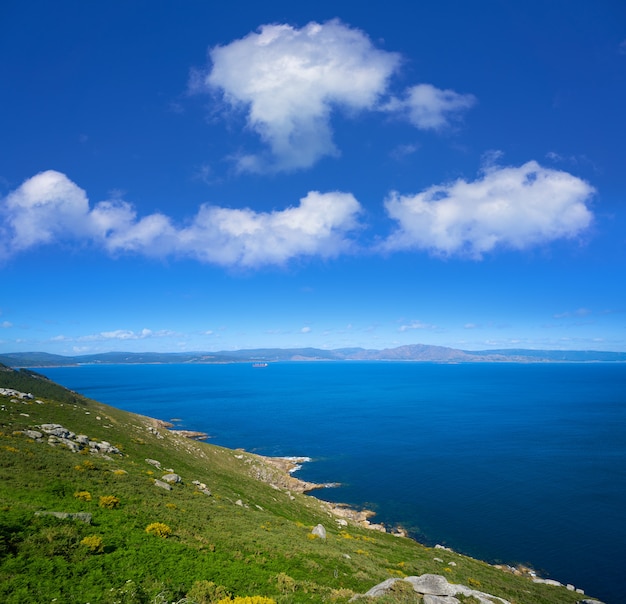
(207, 176)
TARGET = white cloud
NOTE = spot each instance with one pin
(317, 227)
(579, 312)
(45, 207)
(126, 334)
(511, 207)
(49, 208)
(430, 108)
(289, 81)
(305, 330)
(415, 325)
(6, 324)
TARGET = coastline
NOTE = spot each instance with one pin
(343, 511)
(281, 476)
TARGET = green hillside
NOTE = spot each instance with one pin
(236, 525)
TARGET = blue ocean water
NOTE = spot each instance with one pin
(514, 463)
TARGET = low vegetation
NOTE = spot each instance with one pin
(228, 531)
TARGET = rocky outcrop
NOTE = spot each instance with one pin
(61, 436)
(434, 589)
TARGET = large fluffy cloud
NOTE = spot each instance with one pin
(50, 208)
(44, 208)
(317, 227)
(511, 207)
(290, 79)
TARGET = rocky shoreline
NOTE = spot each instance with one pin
(279, 475)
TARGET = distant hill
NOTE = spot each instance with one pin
(413, 352)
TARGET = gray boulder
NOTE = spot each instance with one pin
(163, 485)
(428, 599)
(435, 589)
(172, 478)
(320, 531)
(435, 585)
(379, 590)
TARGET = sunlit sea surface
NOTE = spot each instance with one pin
(513, 463)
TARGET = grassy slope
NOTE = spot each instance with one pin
(263, 547)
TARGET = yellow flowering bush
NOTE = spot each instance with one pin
(93, 543)
(159, 529)
(109, 502)
(83, 495)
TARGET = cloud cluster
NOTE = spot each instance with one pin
(511, 207)
(49, 208)
(289, 81)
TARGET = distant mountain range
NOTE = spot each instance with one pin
(414, 352)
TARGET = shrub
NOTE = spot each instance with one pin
(93, 543)
(83, 495)
(159, 529)
(285, 583)
(207, 592)
(109, 502)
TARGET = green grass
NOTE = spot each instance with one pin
(215, 546)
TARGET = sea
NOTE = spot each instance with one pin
(509, 463)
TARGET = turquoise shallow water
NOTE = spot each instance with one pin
(514, 463)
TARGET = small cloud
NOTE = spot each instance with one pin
(470, 326)
(125, 334)
(6, 324)
(80, 349)
(580, 312)
(490, 159)
(305, 330)
(554, 156)
(204, 174)
(402, 151)
(430, 108)
(416, 325)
